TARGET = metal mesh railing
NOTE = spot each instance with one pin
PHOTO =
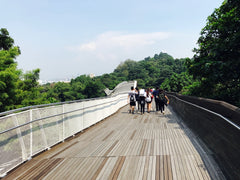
(37, 128)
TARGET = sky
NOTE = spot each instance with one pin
(69, 38)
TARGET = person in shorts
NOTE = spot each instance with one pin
(148, 100)
(132, 100)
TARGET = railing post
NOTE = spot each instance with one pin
(83, 115)
(31, 135)
(63, 130)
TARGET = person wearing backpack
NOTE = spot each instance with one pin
(132, 100)
(142, 97)
(163, 100)
(156, 98)
(137, 98)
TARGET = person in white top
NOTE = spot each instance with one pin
(142, 97)
(148, 100)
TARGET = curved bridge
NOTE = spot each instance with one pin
(98, 139)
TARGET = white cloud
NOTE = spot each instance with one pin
(88, 46)
(133, 40)
(118, 45)
(106, 51)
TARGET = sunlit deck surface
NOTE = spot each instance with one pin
(125, 146)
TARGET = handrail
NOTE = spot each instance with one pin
(221, 116)
(52, 104)
(2, 132)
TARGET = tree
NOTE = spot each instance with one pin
(9, 74)
(30, 80)
(6, 42)
(16, 89)
(29, 91)
(109, 80)
(177, 82)
(94, 89)
(216, 62)
(62, 91)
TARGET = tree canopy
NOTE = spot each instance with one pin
(6, 42)
(16, 88)
(216, 62)
(151, 71)
(9, 75)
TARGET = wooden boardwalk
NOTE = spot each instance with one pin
(125, 146)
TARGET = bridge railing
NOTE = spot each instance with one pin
(29, 132)
(219, 134)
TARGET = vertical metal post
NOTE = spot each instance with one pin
(63, 128)
(31, 135)
(83, 116)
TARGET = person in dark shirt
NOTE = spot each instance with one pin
(156, 98)
(142, 97)
(163, 100)
(137, 98)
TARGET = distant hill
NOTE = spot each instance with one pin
(150, 72)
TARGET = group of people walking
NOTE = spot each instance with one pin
(140, 97)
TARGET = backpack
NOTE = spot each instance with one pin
(148, 99)
(161, 96)
(137, 96)
(132, 98)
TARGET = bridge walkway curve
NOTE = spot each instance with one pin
(125, 146)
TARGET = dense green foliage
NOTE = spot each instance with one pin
(216, 62)
(81, 87)
(9, 75)
(178, 83)
(149, 72)
(16, 89)
(213, 72)
(6, 42)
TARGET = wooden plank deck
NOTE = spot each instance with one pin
(125, 146)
